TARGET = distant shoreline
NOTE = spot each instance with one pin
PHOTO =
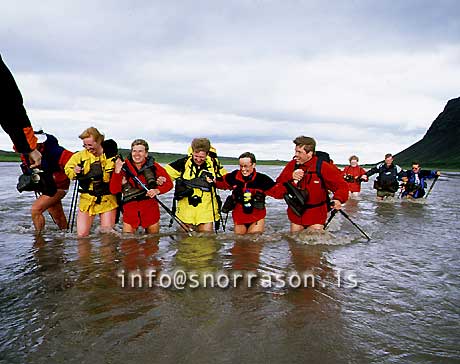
(165, 158)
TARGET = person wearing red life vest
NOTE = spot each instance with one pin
(247, 200)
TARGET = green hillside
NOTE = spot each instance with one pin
(440, 147)
(162, 158)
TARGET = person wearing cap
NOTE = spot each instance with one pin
(310, 177)
(140, 207)
(14, 119)
(92, 168)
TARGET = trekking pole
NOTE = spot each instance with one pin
(166, 208)
(431, 187)
(75, 188)
(224, 225)
(354, 224)
(333, 213)
(213, 211)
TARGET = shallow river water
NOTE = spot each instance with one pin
(330, 298)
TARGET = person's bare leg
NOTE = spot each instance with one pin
(44, 203)
(296, 228)
(206, 227)
(240, 229)
(257, 227)
(154, 228)
(84, 222)
(108, 220)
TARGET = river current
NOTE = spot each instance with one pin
(329, 298)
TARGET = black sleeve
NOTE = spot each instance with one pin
(372, 171)
(266, 182)
(179, 165)
(13, 116)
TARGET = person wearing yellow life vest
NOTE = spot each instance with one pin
(197, 204)
(92, 168)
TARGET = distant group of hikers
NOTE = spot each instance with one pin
(107, 183)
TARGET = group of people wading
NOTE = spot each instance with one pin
(108, 184)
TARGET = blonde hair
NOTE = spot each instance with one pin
(92, 132)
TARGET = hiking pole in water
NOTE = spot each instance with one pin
(73, 207)
(213, 210)
(354, 224)
(431, 187)
(166, 208)
(333, 213)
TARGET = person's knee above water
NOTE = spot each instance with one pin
(389, 175)
(415, 181)
(140, 208)
(247, 201)
(353, 174)
(196, 198)
(93, 169)
(304, 183)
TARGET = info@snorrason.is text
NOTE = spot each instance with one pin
(180, 279)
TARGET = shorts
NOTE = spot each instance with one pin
(141, 213)
(88, 204)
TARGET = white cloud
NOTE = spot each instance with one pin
(249, 75)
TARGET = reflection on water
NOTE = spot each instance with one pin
(62, 298)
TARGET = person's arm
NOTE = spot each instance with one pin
(13, 117)
(372, 171)
(71, 165)
(335, 183)
(174, 169)
(430, 174)
(167, 185)
(269, 186)
(278, 190)
(116, 180)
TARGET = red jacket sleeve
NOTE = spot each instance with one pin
(334, 182)
(115, 182)
(168, 185)
(222, 184)
(278, 190)
(65, 156)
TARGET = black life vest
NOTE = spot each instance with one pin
(148, 170)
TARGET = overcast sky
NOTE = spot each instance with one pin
(361, 77)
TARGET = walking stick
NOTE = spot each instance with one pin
(333, 213)
(73, 207)
(354, 224)
(213, 211)
(431, 187)
(166, 208)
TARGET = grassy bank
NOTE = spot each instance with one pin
(162, 158)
